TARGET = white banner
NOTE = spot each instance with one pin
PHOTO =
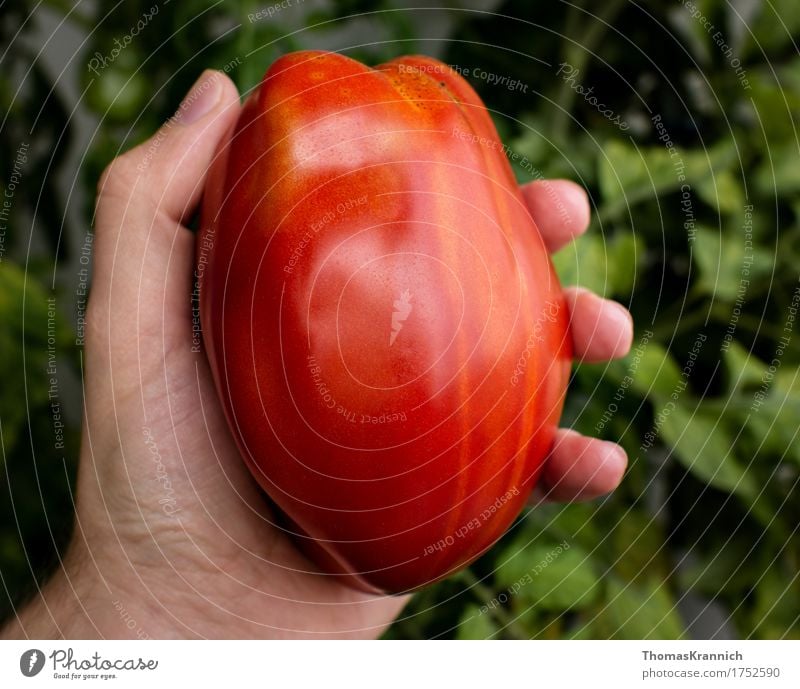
(400, 664)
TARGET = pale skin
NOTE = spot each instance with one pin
(206, 561)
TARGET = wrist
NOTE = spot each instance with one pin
(54, 611)
(79, 601)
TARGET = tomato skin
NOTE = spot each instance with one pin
(385, 328)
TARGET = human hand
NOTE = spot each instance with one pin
(173, 537)
(579, 468)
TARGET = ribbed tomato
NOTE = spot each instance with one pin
(386, 330)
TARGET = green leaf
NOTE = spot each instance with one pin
(548, 575)
(25, 380)
(625, 252)
(726, 266)
(772, 420)
(120, 91)
(584, 262)
(789, 75)
(722, 192)
(628, 175)
(623, 169)
(572, 520)
(744, 368)
(648, 370)
(639, 540)
(531, 146)
(704, 446)
(777, 605)
(607, 267)
(778, 173)
(787, 381)
(640, 612)
(774, 27)
(475, 625)
(657, 374)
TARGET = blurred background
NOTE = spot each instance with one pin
(680, 119)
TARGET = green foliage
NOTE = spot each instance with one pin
(588, 262)
(475, 625)
(696, 228)
(38, 456)
(547, 575)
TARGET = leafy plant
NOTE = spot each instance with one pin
(696, 228)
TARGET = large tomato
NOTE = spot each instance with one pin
(385, 328)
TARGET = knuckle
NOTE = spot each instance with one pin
(119, 175)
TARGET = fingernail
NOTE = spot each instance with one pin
(618, 317)
(617, 458)
(201, 99)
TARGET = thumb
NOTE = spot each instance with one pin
(167, 171)
(143, 253)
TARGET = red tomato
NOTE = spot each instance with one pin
(385, 328)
